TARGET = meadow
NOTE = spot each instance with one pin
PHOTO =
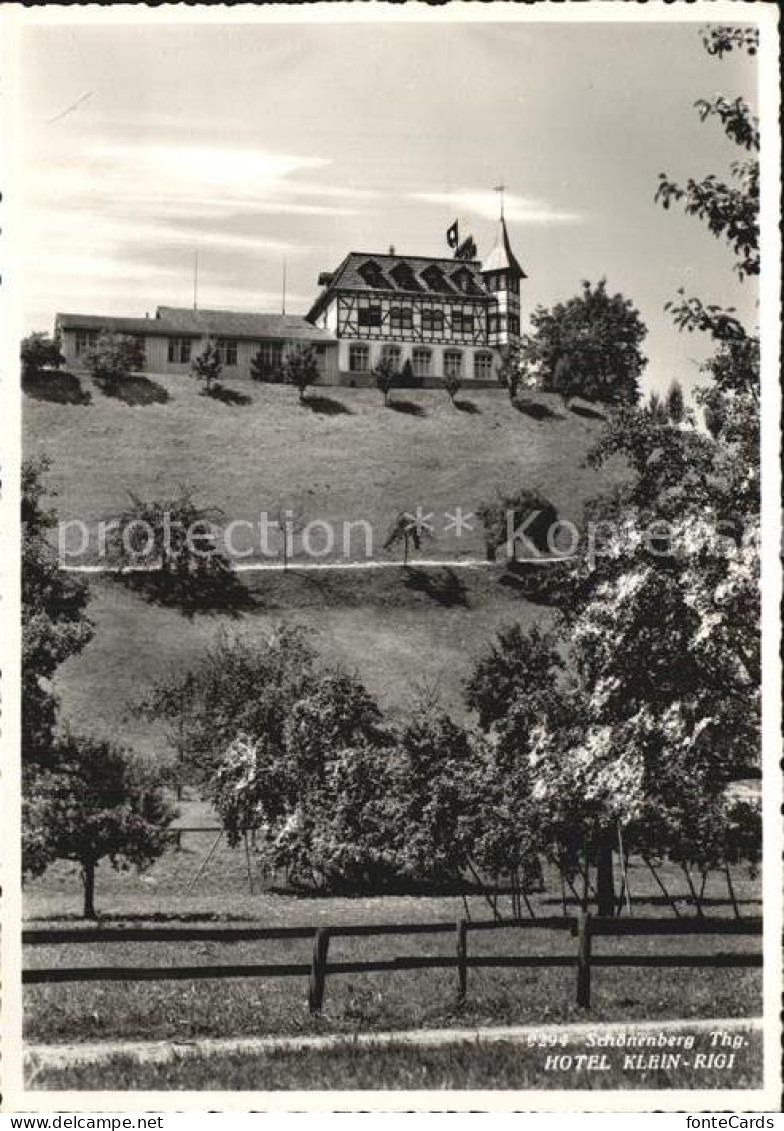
(341, 458)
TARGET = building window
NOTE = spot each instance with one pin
(270, 355)
(358, 358)
(514, 324)
(401, 318)
(483, 366)
(462, 322)
(421, 361)
(496, 323)
(391, 353)
(433, 321)
(370, 316)
(180, 350)
(85, 340)
(227, 351)
(453, 363)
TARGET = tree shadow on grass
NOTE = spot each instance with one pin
(536, 410)
(135, 390)
(220, 393)
(442, 585)
(220, 593)
(57, 387)
(326, 406)
(588, 412)
(545, 584)
(144, 917)
(409, 408)
(469, 407)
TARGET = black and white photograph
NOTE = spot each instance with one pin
(391, 694)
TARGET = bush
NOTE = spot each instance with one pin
(114, 357)
(528, 515)
(39, 352)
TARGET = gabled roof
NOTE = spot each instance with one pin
(502, 258)
(240, 324)
(113, 324)
(372, 273)
(184, 322)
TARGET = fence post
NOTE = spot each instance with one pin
(584, 961)
(462, 965)
(318, 971)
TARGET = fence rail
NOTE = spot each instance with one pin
(586, 928)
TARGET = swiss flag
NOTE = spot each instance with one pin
(452, 237)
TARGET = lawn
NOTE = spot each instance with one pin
(378, 1001)
(400, 628)
(354, 460)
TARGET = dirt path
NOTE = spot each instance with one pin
(325, 566)
(159, 1052)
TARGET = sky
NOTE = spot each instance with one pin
(261, 144)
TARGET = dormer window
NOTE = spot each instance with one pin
(372, 274)
(463, 280)
(435, 279)
(405, 278)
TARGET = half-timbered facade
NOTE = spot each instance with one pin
(438, 315)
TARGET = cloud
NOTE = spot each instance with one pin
(485, 203)
(110, 214)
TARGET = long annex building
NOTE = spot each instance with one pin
(430, 316)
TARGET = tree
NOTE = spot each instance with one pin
(659, 713)
(113, 358)
(730, 210)
(206, 366)
(510, 373)
(300, 367)
(240, 685)
(436, 756)
(526, 517)
(39, 352)
(407, 378)
(262, 370)
(516, 663)
(588, 346)
(385, 375)
(409, 529)
(657, 409)
(675, 403)
(55, 624)
(452, 385)
(98, 803)
(168, 547)
(318, 799)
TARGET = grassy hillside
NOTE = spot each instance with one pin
(344, 457)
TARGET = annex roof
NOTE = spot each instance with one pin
(240, 324)
(170, 320)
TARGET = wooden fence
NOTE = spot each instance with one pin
(586, 928)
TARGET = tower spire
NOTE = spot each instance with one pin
(502, 189)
